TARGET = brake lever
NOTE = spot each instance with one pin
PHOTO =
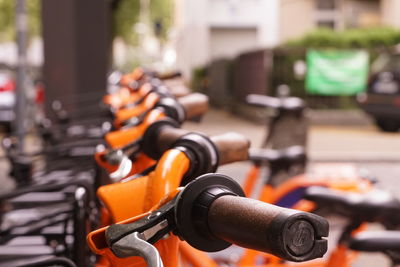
(124, 168)
(150, 228)
(120, 159)
(135, 245)
(116, 156)
(137, 238)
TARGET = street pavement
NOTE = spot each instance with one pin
(364, 147)
(359, 147)
(361, 143)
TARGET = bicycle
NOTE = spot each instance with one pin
(387, 242)
(59, 214)
(48, 189)
(126, 142)
(360, 208)
(284, 186)
(164, 179)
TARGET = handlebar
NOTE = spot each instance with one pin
(170, 75)
(195, 104)
(210, 213)
(231, 147)
(190, 107)
(285, 103)
(167, 136)
(286, 233)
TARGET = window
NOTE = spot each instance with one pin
(326, 4)
(326, 13)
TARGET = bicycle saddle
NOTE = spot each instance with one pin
(285, 103)
(373, 206)
(290, 155)
(376, 241)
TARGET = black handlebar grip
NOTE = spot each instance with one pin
(286, 233)
(167, 136)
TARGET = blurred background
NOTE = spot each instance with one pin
(342, 57)
(338, 55)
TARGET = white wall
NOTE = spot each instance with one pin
(229, 42)
(208, 29)
(9, 52)
(191, 34)
(297, 17)
(390, 10)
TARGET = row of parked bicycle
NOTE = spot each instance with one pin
(152, 197)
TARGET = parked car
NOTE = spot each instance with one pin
(7, 99)
(382, 98)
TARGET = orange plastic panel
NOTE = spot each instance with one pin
(123, 137)
(127, 113)
(124, 200)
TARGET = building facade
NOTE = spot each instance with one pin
(211, 29)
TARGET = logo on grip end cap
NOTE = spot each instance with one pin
(300, 238)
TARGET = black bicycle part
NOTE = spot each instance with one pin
(118, 231)
(192, 210)
(172, 109)
(152, 132)
(202, 153)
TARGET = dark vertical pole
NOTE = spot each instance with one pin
(76, 51)
(20, 106)
(58, 29)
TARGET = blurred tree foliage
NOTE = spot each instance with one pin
(161, 16)
(7, 18)
(125, 14)
(367, 38)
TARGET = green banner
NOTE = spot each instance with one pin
(336, 72)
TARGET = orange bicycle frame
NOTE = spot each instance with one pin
(126, 113)
(341, 257)
(125, 96)
(127, 200)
